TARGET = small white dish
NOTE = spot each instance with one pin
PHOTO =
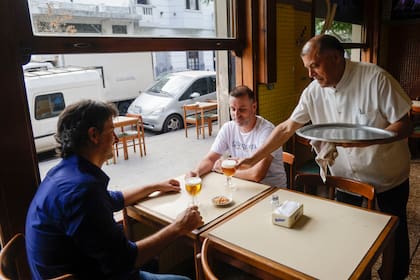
(221, 200)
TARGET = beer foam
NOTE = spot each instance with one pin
(193, 180)
(228, 163)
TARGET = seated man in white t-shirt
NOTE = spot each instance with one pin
(240, 138)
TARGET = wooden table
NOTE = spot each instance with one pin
(159, 211)
(121, 122)
(330, 241)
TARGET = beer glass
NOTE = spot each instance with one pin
(193, 188)
(229, 168)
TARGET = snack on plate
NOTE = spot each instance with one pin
(221, 200)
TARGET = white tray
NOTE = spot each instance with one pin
(344, 133)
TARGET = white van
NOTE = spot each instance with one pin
(50, 91)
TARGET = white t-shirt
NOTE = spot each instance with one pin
(241, 145)
(367, 95)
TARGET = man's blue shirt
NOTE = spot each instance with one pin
(70, 226)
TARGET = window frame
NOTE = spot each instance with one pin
(51, 44)
(370, 32)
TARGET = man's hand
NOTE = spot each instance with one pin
(171, 185)
(188, 220)
(245, 163)
(217, 167)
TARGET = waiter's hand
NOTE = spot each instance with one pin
(245, 163)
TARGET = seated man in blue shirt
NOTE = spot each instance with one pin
(70, 226)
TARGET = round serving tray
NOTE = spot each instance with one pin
(344, 133)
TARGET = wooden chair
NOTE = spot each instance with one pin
(211, 115)
(132, 137)
(13, 261)
(289, 160)
(207, 271)
(307, 163)
(311, 181)
(192, 115)
(142, 143)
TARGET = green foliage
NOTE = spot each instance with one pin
(342, 30)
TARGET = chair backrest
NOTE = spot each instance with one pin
(289, 159)
(193, 108)
(136, 116)
(311, 181)
(207, 271)
(14, 262)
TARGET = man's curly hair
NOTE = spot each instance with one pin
(76, 119)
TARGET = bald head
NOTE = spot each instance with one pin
(323, 56)
(321, 44)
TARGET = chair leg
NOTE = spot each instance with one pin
(114, 158)
(197, 131)
(203, 127)
(140, 149)
(210, 125)
(125, 149)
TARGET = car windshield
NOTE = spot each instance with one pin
(169, 85)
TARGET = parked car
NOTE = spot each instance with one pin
(161, 105)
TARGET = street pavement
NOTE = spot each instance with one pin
(168, 155)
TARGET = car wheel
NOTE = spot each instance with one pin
(173, 122)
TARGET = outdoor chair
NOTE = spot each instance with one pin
(131, 137)
(192, 115)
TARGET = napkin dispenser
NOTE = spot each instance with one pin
(287, 213)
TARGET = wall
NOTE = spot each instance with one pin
(403, 56)
(293, 30)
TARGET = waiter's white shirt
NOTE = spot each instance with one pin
(368, 95)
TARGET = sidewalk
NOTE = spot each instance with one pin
(168, 155)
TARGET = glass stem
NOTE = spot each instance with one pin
(229, 181)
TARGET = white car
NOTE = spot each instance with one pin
(161, 105)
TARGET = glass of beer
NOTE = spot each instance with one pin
(193, 188)
(229, 169)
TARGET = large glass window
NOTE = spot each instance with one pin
(344, 20)
(153, 18)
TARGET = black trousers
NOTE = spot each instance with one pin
(394, 202)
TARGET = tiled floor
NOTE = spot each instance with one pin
(413, 217)
(172, 154)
